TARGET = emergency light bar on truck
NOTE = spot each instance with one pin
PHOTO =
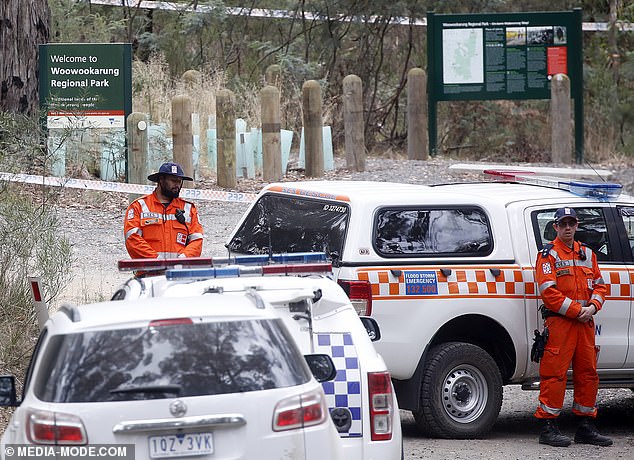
(601, 190)
(192, 262)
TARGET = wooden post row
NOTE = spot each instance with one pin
(313, 129)
(226, 138)
(353, 123)
(417, 115)
(137, 128)
(561, 119)
(271, 135)
(182, 138)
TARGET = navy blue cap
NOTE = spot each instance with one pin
(562, 213)
(172, 169)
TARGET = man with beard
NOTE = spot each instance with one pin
(162, 225)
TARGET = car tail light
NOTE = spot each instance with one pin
(170, 322)
(381, 405)
(300, 411)
(45, 427)
(360, 295)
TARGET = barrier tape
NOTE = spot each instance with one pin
(120, 187)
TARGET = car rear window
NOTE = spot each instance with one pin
(421, 232)
(280, 224)
(169, 361)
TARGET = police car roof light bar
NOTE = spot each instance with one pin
(235, 271)
(162, 264)
(258, 259)
(600, 190)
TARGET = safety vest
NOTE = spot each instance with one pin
(154, 230)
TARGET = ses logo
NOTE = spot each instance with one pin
(421, 283)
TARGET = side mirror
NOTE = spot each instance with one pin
(322, 367)
(7, 391)
(371, 327)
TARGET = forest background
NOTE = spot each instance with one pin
(326, 40)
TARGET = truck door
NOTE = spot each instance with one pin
(598, 229)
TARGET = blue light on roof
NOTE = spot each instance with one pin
(602, 190)
(306, 257)
(205, 273)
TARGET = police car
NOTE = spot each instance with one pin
(320, 318)
(213, 376)
(448, 273)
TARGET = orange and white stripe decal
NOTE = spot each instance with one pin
(511, 282)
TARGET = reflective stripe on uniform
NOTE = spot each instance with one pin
(598, 298)
(583, 409)
(188, 212)
(549, 410)
(132, 231)
(167, 255)
(546, 285)
(143, 204)
(565, 305)
(194, 237)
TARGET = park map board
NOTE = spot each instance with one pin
(503, 56)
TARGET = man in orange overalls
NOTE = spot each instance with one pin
(573, 291)
(162, 225)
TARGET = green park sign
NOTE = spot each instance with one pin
(86, 85)
(503, 56)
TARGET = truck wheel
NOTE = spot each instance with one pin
(461, 392)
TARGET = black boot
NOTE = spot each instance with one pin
(552, 436)
(588, 434)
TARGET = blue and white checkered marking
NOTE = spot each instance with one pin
(345, 390)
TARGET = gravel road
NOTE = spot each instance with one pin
(92, 221)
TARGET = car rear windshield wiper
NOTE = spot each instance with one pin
(148, 389)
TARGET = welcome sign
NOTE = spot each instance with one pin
(86, 85)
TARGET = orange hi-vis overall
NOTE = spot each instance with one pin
(152, 230)
(569, 279)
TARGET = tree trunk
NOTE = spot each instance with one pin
(23, 26)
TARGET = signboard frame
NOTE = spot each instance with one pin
(493, 56)
(85, 85)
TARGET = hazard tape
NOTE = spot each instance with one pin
(120, 187)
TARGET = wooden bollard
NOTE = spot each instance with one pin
(273, 75)
(560, 119)
(417, 115)
(192, 78)
(271, 135)
(137, 128)
(226, 138)
(313, 129)
(182, 138)
(353, 123)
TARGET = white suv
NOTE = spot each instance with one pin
(215, 376)
(320, 318)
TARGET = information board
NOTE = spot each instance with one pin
(86, 85)
(503, 56)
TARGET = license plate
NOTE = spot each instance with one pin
(180, 445)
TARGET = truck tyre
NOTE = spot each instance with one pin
(461, 392)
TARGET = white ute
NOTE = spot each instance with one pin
(447, 271)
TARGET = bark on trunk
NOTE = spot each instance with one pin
(23, 26)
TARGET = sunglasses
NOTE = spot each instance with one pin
(567, 223)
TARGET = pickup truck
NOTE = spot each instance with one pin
(447, 271)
